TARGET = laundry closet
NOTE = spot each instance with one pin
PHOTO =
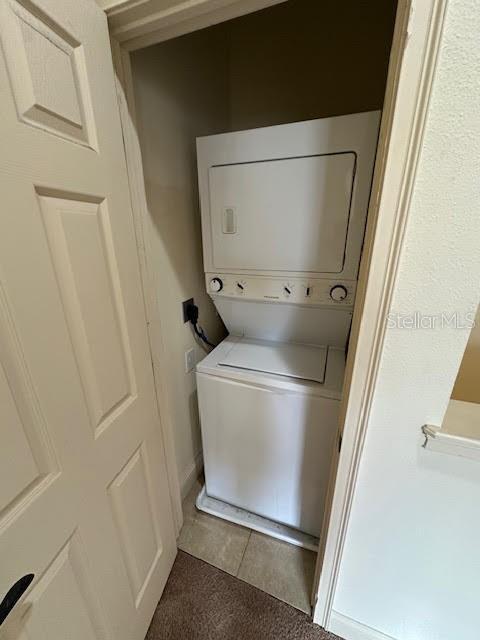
(258, 139)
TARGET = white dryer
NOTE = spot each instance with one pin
(283, 217)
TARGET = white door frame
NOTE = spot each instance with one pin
(139, 23)
(413, 58)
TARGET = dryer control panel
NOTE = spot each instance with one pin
(314, 291)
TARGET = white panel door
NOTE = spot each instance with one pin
(84, 501)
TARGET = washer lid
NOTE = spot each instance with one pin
(306, 362)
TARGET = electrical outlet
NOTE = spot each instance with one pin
(189, 360)
(185, 305)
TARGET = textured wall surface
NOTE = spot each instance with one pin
(411, 564)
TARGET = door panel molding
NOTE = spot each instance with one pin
(36, 48)
(140, 24)
(81, 246)
(26, 425)
(130, 492)
(65, 580)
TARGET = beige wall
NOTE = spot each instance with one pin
(299, 60)
(467, 384)
(180, 93)
(307, 59)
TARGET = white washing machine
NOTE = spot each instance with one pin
(283, 217)
(269, 414)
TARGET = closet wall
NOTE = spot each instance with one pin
(308, 59)
(181, 92)
(298, 60)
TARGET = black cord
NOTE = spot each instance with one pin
(199, 331)
(192, 315)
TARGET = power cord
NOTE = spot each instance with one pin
(192, 316)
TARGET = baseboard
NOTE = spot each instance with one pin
(349, 629)
(191, 474)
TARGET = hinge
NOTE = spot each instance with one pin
(339, 442)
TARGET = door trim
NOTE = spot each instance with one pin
(136, 180)
(413, 59)
(141, 23)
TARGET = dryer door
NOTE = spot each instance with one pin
(282, 215)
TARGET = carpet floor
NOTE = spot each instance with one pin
(201, 602)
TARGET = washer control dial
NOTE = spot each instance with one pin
(338, 293)
(216, 285)
(241, 284)
(287, 290)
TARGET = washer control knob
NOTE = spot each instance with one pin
(216, 285)
(338, 293)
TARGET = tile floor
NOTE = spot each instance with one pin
(276, 567)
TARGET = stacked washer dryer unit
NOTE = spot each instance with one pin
(283, 218)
